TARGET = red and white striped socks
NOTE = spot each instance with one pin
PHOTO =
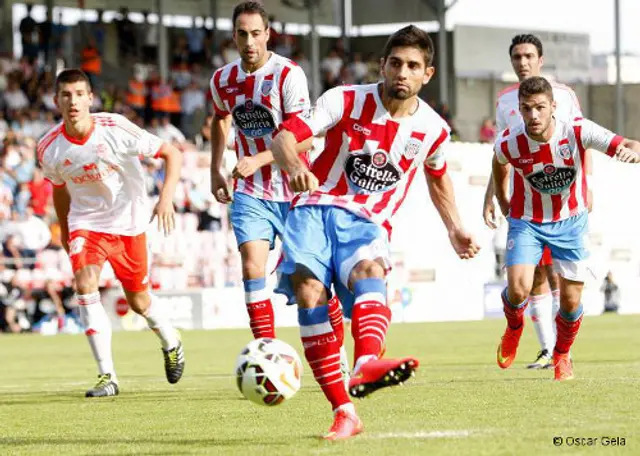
(322, 351)
(370, 320)
(260, 308)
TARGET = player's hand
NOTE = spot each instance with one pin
(166, 216)
(463, 243)
(489, 214)
(245, 167)
(219, 188)
(626, 155)
(304, 181)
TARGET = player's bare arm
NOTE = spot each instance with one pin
(500, 175)
(219, 131)
(286, 156)
(62, 204)
(164, 210)
(247, 166)
(443, 198)
(489, 208)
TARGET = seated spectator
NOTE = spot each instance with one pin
(487, 132)
(163, 129)
(41, 193)
(14, 98)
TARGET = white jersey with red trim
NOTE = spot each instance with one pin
(549, 180)
(369, 159)
(508, 106)
(103, 174)
(259, 102)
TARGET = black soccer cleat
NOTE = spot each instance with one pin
(105, 387)
(381, 373)
(174, 363)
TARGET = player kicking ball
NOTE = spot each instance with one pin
(93, 162)
(548, 208)
(378, 137)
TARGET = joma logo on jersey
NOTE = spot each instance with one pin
(359, 128)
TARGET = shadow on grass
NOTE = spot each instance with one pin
(39, 397)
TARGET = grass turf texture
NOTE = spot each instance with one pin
(459, 403)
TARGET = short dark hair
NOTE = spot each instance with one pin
(411, 36)
(526, 38)
(250, 8)
(534, 86)
(72, 75)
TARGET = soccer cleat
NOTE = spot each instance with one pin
(105, 387)
(563, 366)
(344, 367)
(174, 363)
(344, 425)
(381, 373)
(508, 346)
(543, 361)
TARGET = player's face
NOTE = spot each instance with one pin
(525, 61)
(251, 35)
(74, 100)
(537, 112)
(405, 72)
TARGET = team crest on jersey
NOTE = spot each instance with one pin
(412, 149)
(564, 150)
(266, 87)
(101, 150)
(248, 105)
(371, 173)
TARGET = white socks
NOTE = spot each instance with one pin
(348, 407)
(160, 323)
(98, 331)
(543, 320)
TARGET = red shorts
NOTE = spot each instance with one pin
(126, 254)
(546, 259)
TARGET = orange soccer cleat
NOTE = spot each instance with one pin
(509, 346)
(563, 366)
(381, 373)
(345, 425)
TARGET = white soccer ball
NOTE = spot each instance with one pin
(268, 371)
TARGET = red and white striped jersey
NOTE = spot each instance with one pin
(259, 102)
(103, 174)
(508, 106)
(369, 159)
(549, 182)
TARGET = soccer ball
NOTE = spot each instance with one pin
(268, 371)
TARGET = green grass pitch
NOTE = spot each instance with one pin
(460, 403)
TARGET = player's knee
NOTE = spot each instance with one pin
(367, 269)
(252, 269)
(139, 302)
(519, 291)
(310, 293)
(86, 281)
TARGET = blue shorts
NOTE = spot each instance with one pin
(328, 242)
(255, 219)
(567, 240)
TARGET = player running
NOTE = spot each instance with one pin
(548, 208)
(378, 136)
(257, 93)
(93, 162)
(527, 60)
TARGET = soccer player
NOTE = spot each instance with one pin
(527, 60)
(93, 162)
(548, 208)
(257, 93)
(378, 137)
